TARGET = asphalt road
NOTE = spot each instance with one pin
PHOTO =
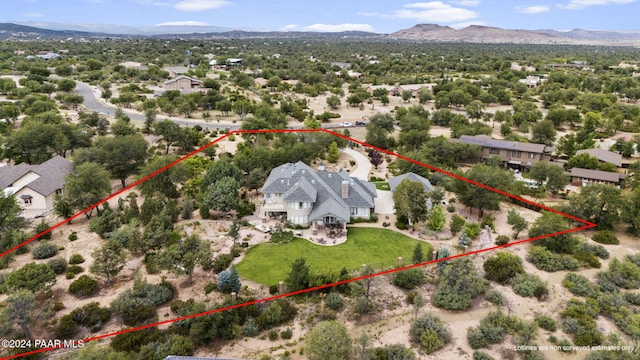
(93, 104)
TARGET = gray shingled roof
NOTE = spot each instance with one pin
(299, 182)
(395, 181)
(52, 173)
(603, 155)
(488, 142)
(301, 191)
(596, 175)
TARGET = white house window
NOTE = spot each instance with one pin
(267, 196)
(27, 199)
(354, 211)
(301, 205)
(58, 191)
(532, 156)
(494, 151)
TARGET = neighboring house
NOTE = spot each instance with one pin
(176, 70)
(133, 65)
(181, 83)
(391, 89)
(341, 65)
(415, 88)
(35, 186)
(533, 81)
(395, 181)
(603, 156)
(585, 177)
(306, 196)
(514, 154)
(48, 56)
(234, 62)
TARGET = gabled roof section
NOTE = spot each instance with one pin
(488, 142)
(395, 181)
(603, 155)
(597, 175)
(301, 191)
(183, 77)
(51, 172)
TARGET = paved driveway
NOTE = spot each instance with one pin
(363, 165)
(384, 202)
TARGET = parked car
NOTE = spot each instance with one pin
(346, 124)
(360, 123)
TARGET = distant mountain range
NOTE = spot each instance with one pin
(418, 33)
(487, 34)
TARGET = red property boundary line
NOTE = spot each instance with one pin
(586, 225)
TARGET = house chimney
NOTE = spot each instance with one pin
(345, 188)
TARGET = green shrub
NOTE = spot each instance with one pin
(530, 285)
(91, 315)
(401, 225)
(606, 237)
(250, 328)
(76, 259)
(472, 230)
(334, 301)
(286, 334)
(481, 355)
(549, 261)
(83, 286)
(58, 265)
(273, 335)
(66, 328)
(577, 284)
(502, 267)
(587, 260)
(222, 262)
(408, 279)
(429, 333)
(595, 250)
(73, 236)
(43, 226)
(545, 322)
(502, 240)
(495, 297)
(44, 251)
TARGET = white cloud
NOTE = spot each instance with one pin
(338, 27)
(581, 4)
(533, 9)
(435, 12)
(288, 27)
(199, 5)
(466, 2)
(183, 23)
(32, 15)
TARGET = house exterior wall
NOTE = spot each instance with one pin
(38, 203)
(358, 212)
(525, 157)
(178, 84)
(298, 212)
(582, 181)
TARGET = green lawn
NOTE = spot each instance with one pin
(268, 263)
(382, 185)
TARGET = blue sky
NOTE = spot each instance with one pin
(383, 16)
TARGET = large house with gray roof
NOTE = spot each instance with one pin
(305, 196)
(35, 186)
